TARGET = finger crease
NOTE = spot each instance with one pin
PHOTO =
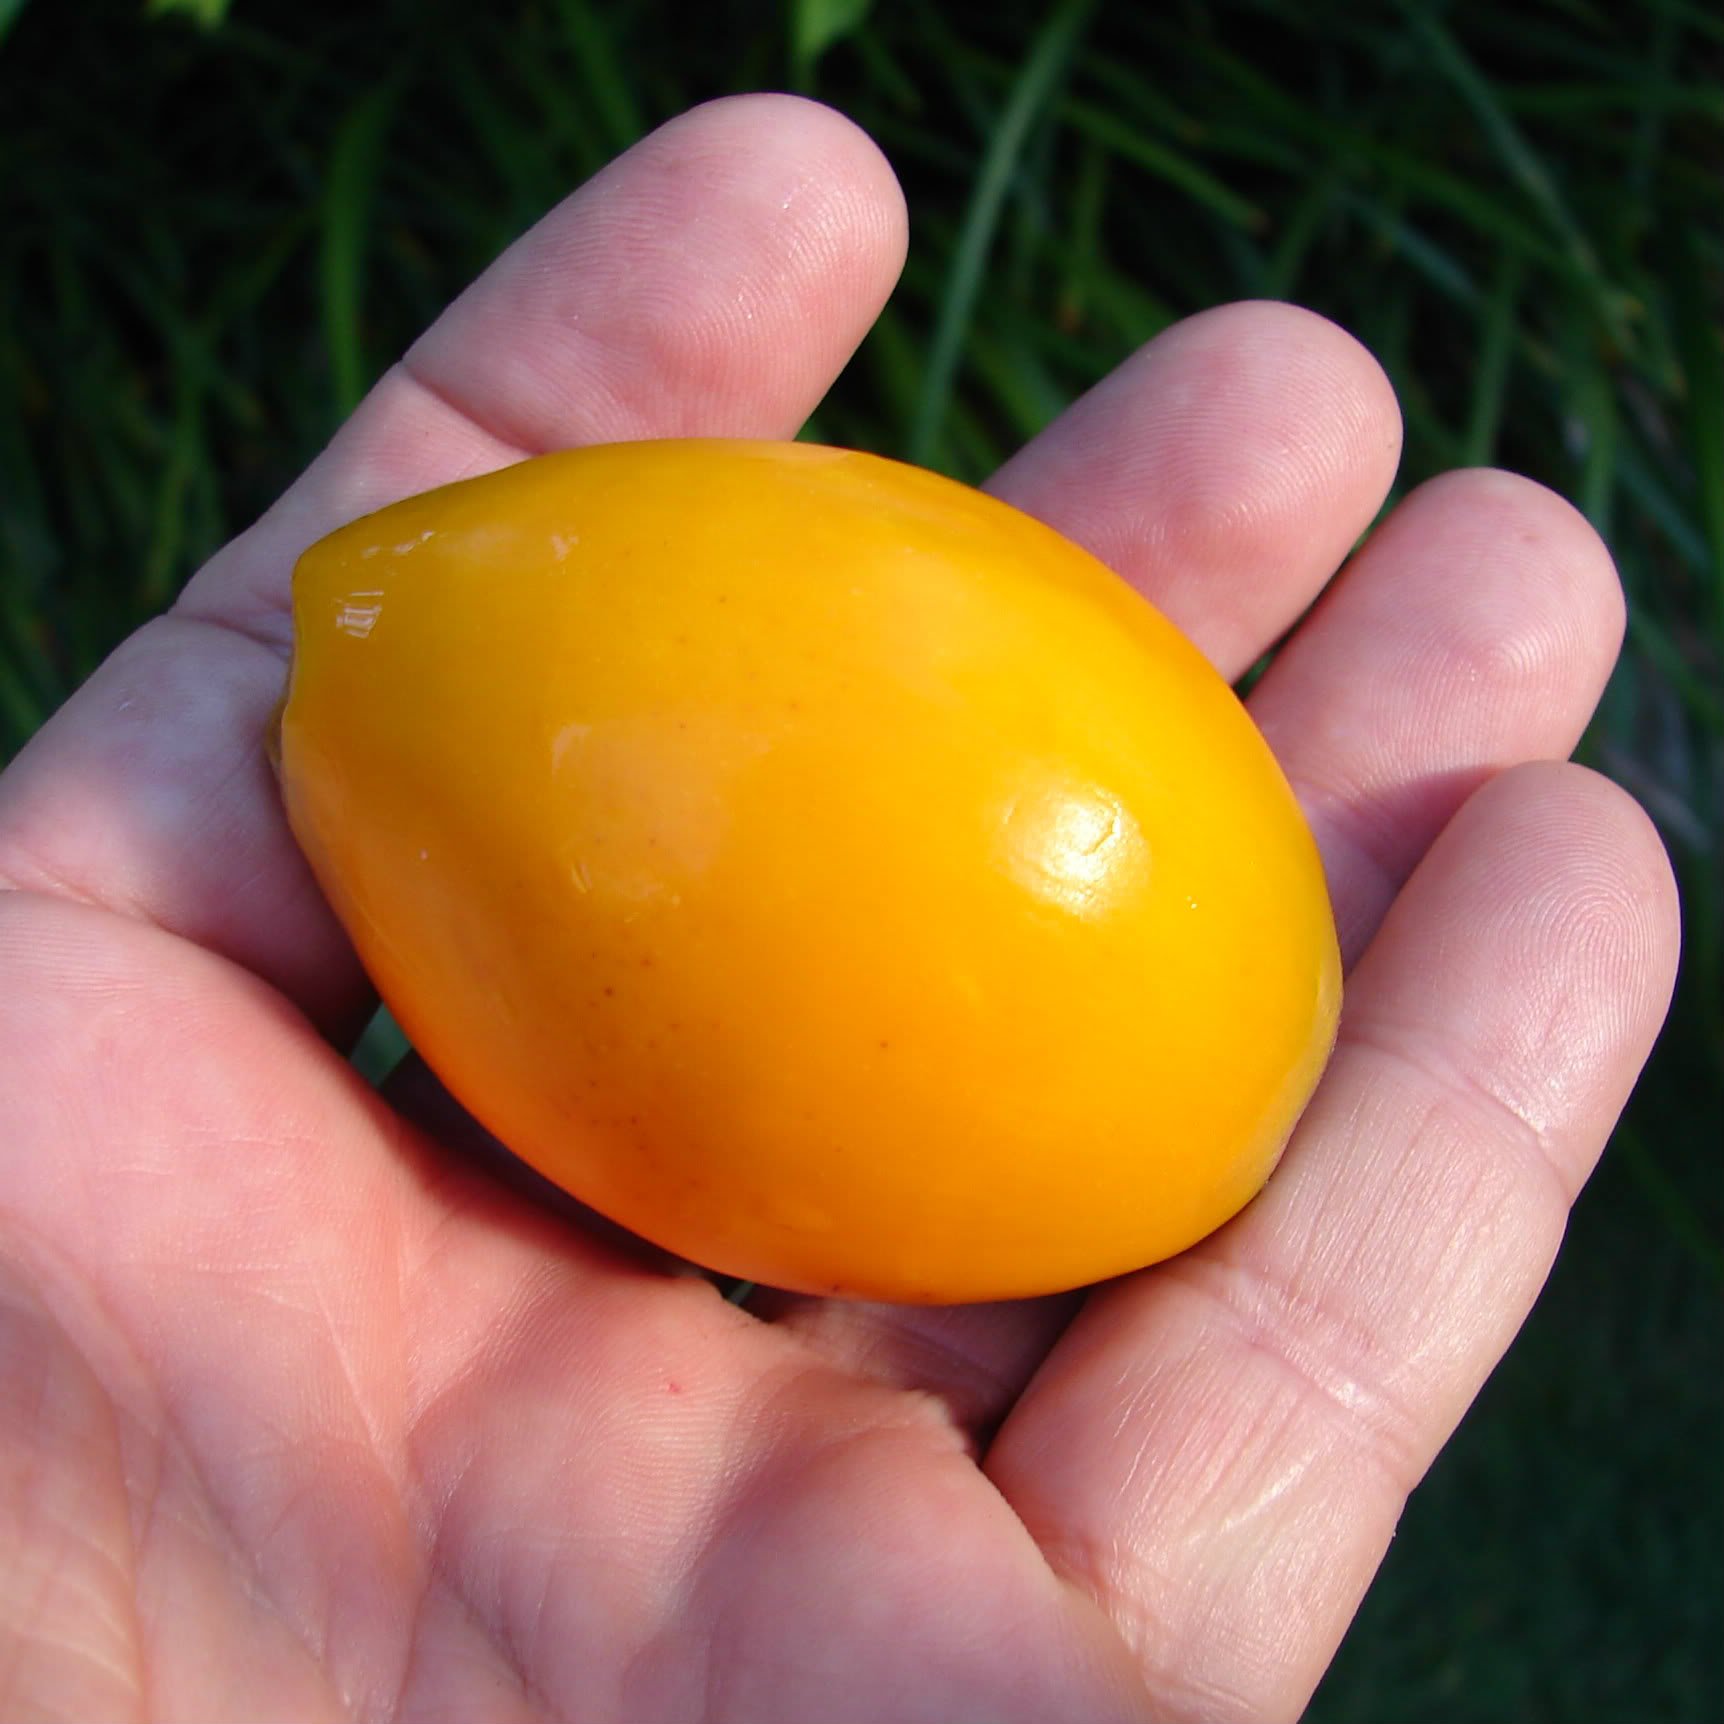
(407, 368)
(1328, 1353)
(1411, 1048)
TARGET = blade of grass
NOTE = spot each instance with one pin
(1582, 103)
(892, 357)
(1027, 223)
(883, 69)
(1082, 257)
(19, 714)
(1163, 163)
(1592, 430)
(187, 457)
(1650, 636)
(607, 83)
(1126, 138)
(1462, 198)
(1425, 256)
(912, 142)
(525, 183)
(1299, 229)
(1653, 86)
(1125, 90)
(1646, 486)
(207, 13)
(1701, 16)
(1386, 165)
(381, 1047)
(974, 81)
(1701, 349)
(1525, 168)
(1040, 72)
(26, 697)
(1137, 314)
(1496, 347)
(815, 25)
(566, 124)
(349, 193)
(1018, 383)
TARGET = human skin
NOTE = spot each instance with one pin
(304, 1413)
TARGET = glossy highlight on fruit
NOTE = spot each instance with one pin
(820, 868)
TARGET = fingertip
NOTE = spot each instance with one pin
(709, 281)
(1225, 469)
(1485, 512)
(1606, 870)
(787, 163)
(1327, 378)
(1330, 352)
(833, 150)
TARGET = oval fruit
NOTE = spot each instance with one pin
(820, 868)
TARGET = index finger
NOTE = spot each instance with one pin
(713, 279)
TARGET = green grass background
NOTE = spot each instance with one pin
(213, 238)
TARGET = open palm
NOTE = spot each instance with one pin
(303, 1412)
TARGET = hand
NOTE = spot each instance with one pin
(306, 1416)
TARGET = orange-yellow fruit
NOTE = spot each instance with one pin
(819, 867)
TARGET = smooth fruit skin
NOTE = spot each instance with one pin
(820, 868)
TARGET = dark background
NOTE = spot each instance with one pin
(212, 239)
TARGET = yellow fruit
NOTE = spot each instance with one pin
(819, 867)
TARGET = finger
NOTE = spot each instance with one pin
(975, 1360)
(1224, 470)
(712, 281)
(1219, 1449)
(715, 278)
(1476, 629)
